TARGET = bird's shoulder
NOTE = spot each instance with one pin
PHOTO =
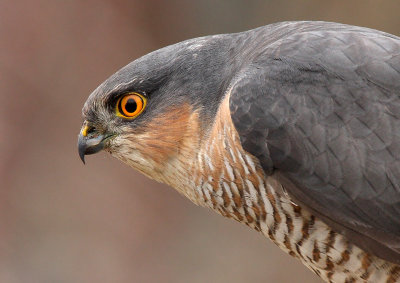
(320, 108)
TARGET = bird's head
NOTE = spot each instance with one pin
(154, 113)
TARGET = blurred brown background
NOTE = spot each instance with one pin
(61, 221)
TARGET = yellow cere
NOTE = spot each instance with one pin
(85, 130)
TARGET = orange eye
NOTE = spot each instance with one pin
(131, 105)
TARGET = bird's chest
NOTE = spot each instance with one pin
(225, 178)
(230, 181)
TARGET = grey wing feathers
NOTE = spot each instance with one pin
(321, 109)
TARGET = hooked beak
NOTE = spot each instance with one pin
(89, 143)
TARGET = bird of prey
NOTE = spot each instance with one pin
(292, 129)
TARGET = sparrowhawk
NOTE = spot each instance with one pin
(292, 129)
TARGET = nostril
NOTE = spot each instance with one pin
(91, 130)
(88, 130)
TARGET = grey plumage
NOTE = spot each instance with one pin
(320, 109)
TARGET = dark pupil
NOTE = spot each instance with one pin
(130, 105)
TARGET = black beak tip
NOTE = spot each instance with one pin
(82, 156)
(81, 148)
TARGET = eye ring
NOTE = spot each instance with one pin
(131, 105)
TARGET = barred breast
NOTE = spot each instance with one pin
(230, 181)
